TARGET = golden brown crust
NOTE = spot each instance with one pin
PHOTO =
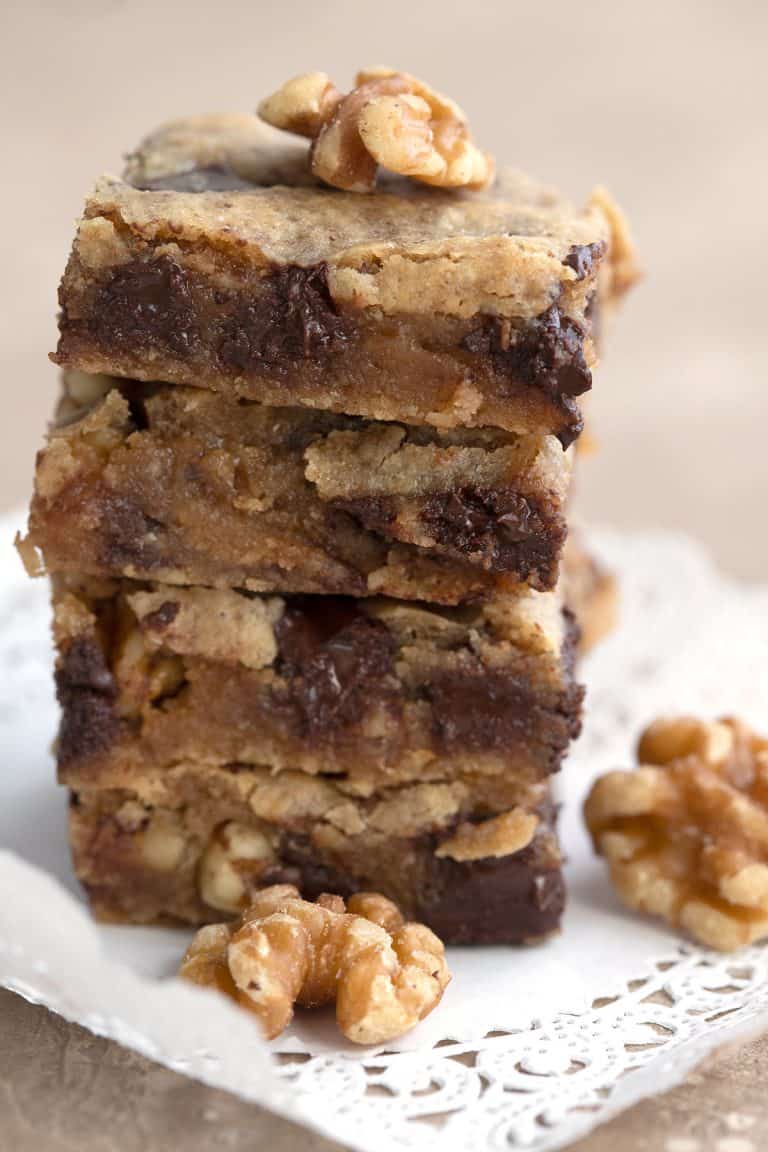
(415, 255)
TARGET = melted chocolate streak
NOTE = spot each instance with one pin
(489, 901)
(501, 529)
(336, 659)
(86, 691)
(151, 302)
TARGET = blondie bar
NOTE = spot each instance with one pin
(217, 262)
(195, 841)
(379, 691)
(190, 487)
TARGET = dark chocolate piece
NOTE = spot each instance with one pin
(504, 900)
(129, 536)
(158, 620)
(86, 691)
(295, 320)
(511, 532)
(500, 530)
(477, 708)
(145, 302)
(548, 353)
(582, 258)
(155, 303)
(331, 685)
(308, 622)
(299, 865)
(496, 900)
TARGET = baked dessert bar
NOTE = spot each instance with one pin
(379, 691)
(218, 262)
(195, 841)
(190, 487)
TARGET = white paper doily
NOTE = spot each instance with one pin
(531, 1047)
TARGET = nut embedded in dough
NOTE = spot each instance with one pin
(234, 856)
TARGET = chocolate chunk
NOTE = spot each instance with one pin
(86, 691)
(583, 257)
(476, 708)
(336, 659)
(129, 536)
(293, 318)
(504, 900)
(500, 528)
(551, 352)
(146, 303)
(571, 431)
(337, 683)
(548, 353)
(308, 622)
(213, 178)
(84, 666)
(163, 616)
(299, 865)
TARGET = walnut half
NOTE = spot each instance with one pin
(384, 975)
(686, 833)
(389, 120)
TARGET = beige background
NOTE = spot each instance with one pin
(664, 101)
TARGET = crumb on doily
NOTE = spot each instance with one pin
(384, 975)
(686, 833)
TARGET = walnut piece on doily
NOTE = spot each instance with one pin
(686, 833)
(384, 975)
(389, 120)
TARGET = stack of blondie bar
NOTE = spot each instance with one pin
(304, 506)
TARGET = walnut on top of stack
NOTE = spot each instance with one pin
(222, 259)
(389, 119)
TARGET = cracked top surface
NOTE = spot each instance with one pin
(229, 179)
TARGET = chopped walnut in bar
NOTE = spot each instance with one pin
(233, 859)
(389, 120)
(498, 836)
(383, 974)
(686, 833)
